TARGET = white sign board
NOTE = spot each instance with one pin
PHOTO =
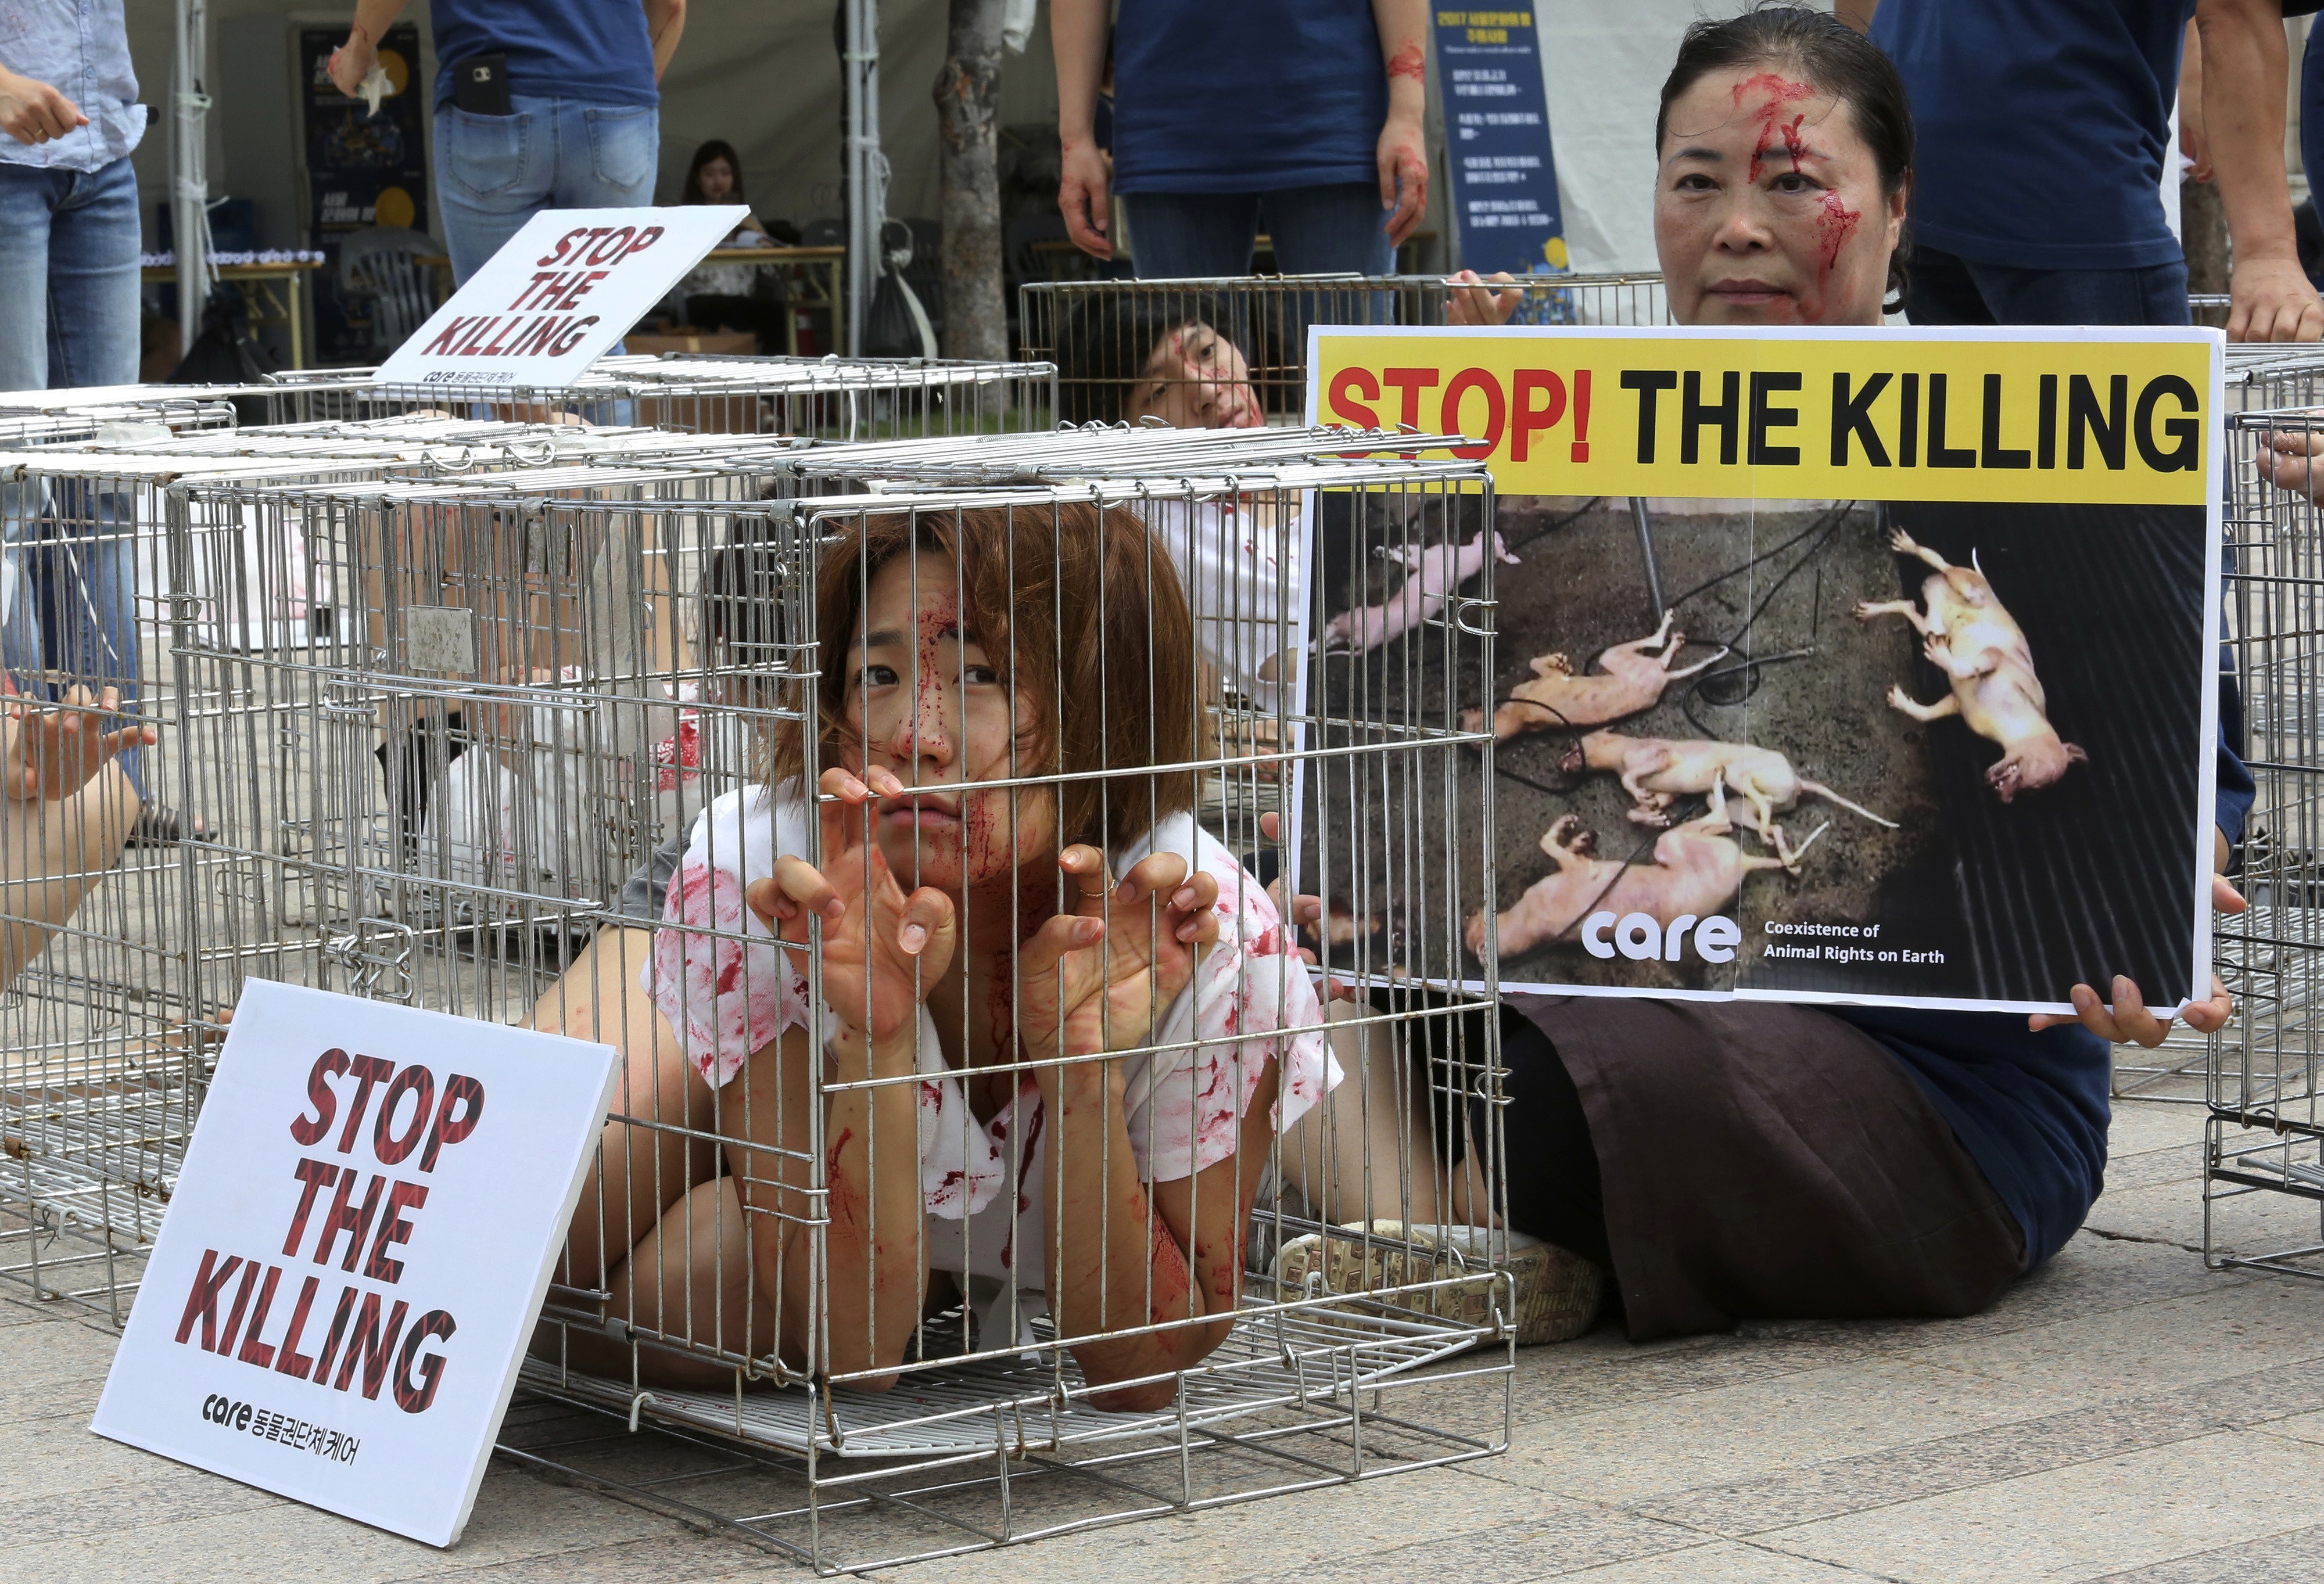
(558, 295)
(344, 1286)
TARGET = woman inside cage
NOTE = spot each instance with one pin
(1061, 1025)
(1722, 1161)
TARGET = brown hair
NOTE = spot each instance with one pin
(1105, 645)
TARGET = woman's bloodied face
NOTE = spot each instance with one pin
(1196, 379)
(927, 702)
(1767, 205)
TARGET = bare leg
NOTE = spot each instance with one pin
(689, 1276)
(632, 1182)
(1364, 1152)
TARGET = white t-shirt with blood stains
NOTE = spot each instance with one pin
(1240, 569)
(730, 991)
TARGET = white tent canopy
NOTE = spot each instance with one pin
(765, 75)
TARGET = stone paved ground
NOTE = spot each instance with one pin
(2123, 1415)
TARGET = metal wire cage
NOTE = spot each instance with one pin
(2264, 1188)
(103, 1033)
(573, 713)
(820, 397)
(1207, 354)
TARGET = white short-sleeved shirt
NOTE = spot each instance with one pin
(1241, 578)
(729, 994)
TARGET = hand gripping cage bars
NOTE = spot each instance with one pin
(709, 1285)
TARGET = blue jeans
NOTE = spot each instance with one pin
(1317, 230)
(1944, 288)
(69, 316)
(495, 172)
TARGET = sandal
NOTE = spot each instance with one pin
(1557, 1292)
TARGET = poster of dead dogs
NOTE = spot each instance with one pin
(1865, 666)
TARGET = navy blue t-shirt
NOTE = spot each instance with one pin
(2041, 129)
(2031, 1108)
(594, 52)
(1246, 96)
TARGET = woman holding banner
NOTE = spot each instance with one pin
(1727, 1161)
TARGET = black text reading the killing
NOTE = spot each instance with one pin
(542, 320)
(356, 1217)
(2082, 421)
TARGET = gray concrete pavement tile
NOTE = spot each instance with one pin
(1722, 1562)
(1927, 1468)
(1437, 1521)
(2238, 1327)
(515, 1516)
(2297, 1554)
(656, 1558)
(1756, 1430)
(168, 1494)
(2139, 1126)
(2308, 1427)
(2076, 1524)
(49, 1399)
(2172, 1213)
(2178, 1162)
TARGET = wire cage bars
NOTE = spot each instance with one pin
(2263, 1189)
(1209, 354)
(104, 1040)
(825, 397)
(574, 713)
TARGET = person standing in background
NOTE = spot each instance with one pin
(539, 105)
(69, 239)
(1300, 118)
(2044, 134)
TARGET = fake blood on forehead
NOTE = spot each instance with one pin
(1779, 92)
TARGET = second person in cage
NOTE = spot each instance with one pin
(1061, 1025)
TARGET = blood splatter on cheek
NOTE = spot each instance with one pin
(1835, 223)
(1409, 62)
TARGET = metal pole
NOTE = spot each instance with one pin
(190, 186)
(1644, 521)
(867, 168)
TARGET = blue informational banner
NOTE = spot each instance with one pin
(1497, 128)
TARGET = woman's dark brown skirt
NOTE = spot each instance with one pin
(1770, 1161)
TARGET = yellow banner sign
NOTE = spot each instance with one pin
(1893, 415)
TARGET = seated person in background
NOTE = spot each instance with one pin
(722, 296)
(1130, 356)
(65, 808)
(1085, 915)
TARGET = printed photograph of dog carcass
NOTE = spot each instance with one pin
(1930, 753)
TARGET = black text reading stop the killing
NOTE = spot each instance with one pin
(350, 1215)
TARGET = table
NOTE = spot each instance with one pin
(802, 288)
(251, 280)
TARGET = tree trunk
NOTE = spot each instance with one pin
(2203, 232)
(967, 93)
